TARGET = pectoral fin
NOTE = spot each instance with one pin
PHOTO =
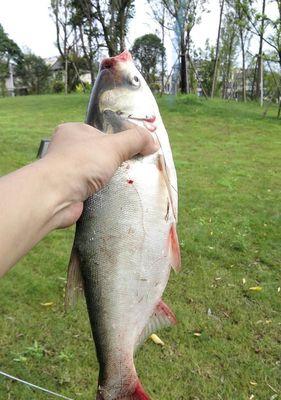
(114, 123)
(174, 249)
(163, 169)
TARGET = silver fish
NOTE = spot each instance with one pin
(126, 240)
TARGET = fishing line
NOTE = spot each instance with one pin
(34, 386)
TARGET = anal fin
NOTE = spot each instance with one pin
(162, 317)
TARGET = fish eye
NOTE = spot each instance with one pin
(136, 81)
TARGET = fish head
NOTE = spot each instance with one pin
(120, 90)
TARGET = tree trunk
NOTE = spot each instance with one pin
(183, 65)
(261, 80)
(217, 52)
(183, 74)
(65, 75)
(244, 96)
(88, 54)
(163, 54)
(228, 68)
(65, 50)
(92, 75)
(122, 31)
(109, 40)
(122, 41)
(254, 81)
(259, 77)
(187, 57)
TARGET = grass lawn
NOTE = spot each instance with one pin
(226, 345)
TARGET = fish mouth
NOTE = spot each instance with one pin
(148, 121)
(151, 119)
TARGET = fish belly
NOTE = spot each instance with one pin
(122, 242)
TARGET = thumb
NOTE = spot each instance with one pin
(133, 141)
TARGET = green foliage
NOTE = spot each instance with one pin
(76, 66)
(274, 38)
(103, 23)
(8, 48)
(83, 88)
(229, 49)
(34, 73)
(57, 86)
(272, 83)
(206, 61)
(148, 50)
(9, 51)
(226, 344)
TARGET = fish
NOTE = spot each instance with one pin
(126, 240)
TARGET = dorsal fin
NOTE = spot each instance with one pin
(74, 284)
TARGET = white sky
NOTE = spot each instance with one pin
(29, 24)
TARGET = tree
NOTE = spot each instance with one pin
(274, 40)
(160, 15)
(228, 52)
(9, 51)
(257, 25)
(184, 16)
(77, 65)
(148, 50)
(217, 50)
(113, 18)
(259, 78)
(34, 73)
(62, 12)
(205, 60)
(83, 20)
(240, 7)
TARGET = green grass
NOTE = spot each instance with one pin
(229, 179)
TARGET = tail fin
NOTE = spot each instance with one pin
(138, 394)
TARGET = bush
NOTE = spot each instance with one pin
(57, 86)
(83, 88)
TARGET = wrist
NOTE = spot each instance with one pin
(53, 183)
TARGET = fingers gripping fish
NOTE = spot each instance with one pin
(126, 241)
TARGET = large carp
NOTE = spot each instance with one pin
(126, 240)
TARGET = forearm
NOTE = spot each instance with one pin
(49, 193)
(29, 203)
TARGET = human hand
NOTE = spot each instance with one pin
(83, 160)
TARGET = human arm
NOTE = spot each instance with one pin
(49, 193)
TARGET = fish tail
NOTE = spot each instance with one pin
(137, 394)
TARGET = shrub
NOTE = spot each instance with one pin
(57, 86)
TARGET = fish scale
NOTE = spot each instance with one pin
(125, 241)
